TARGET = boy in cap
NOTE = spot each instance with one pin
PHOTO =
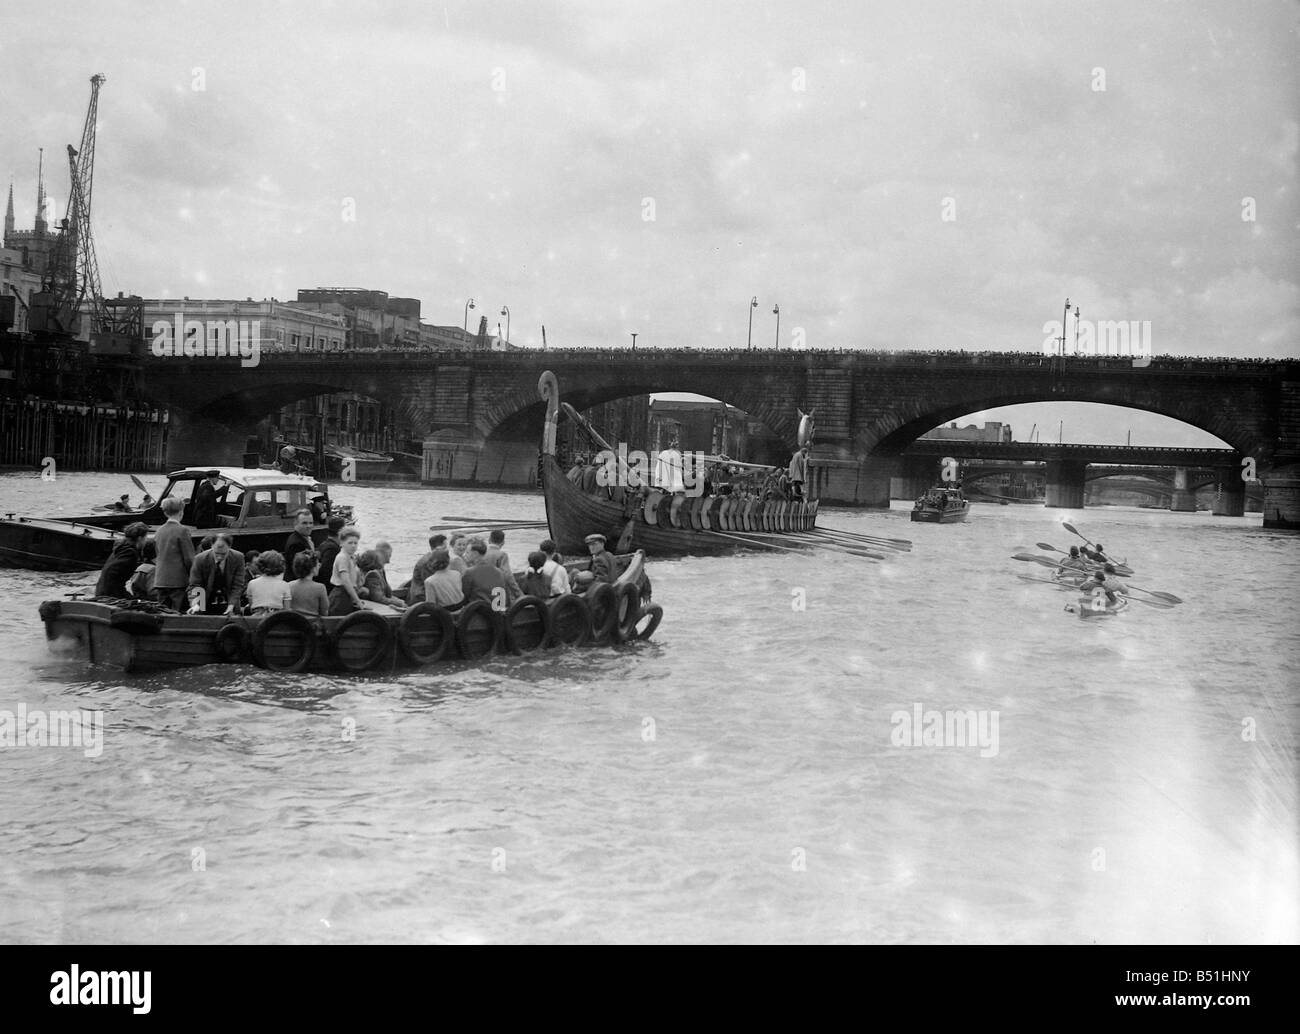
(602, 567)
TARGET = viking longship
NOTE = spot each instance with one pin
(586, 500)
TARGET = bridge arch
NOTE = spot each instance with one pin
(908, 420)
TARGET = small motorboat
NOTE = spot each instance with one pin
(941, 506)
(256, 507)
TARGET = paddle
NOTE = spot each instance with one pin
(1158, 595)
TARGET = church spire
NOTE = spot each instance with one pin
(41, 226)
(9, 213)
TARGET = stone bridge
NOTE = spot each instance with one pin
(869, 406)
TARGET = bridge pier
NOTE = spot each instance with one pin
(199, 441)
(850, 483)
(1065, 483)
(1184, 498)
(1282, 498)
(916, 475)
(1230, 499)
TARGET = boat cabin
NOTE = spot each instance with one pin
(246, 498)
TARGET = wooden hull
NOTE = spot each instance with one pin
(929, 516)
(48, 544)
(670, 526)
(139, 641)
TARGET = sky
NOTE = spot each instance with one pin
(892, 175)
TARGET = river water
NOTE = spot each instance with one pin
(745, 776)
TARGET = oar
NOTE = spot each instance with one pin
(896, 543)
(848, 536)
(488, 520)
(762, 544)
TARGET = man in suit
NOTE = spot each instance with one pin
(205, 501)
(175, 555)
(299, 540)
(328, 552)
(219, 571)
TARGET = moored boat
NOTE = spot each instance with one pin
(661, 523)
(941, 506)
(256, 507)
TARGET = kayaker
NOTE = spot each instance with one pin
(1096, 553)
(1098, 583)
(1072, 565)
(1111, 581)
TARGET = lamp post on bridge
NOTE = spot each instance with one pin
(505, 311)
(776, 311)
(465, 324)
(633, 333)
(749, 342)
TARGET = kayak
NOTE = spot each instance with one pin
(1086, 607)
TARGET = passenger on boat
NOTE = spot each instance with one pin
(459, 544)
(141, 584)
(250, 563)
(424, 568)
(385, 551)
(329, 550)
(536, 582)
(175, 555)
(480, 581)
(798, 472)
(220, 573)
(668, 469)
(347, 579)
(306, 594)
(371, 566)
(205, 500)
(601, 568)
(444, 586)
(122, 562)
(269, 591)
(288, 462)
(554, 569)
(498, 558)
(205, 543)
(299, 540)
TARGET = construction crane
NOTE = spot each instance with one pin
(72, 279)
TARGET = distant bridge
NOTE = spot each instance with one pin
(869, 406)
